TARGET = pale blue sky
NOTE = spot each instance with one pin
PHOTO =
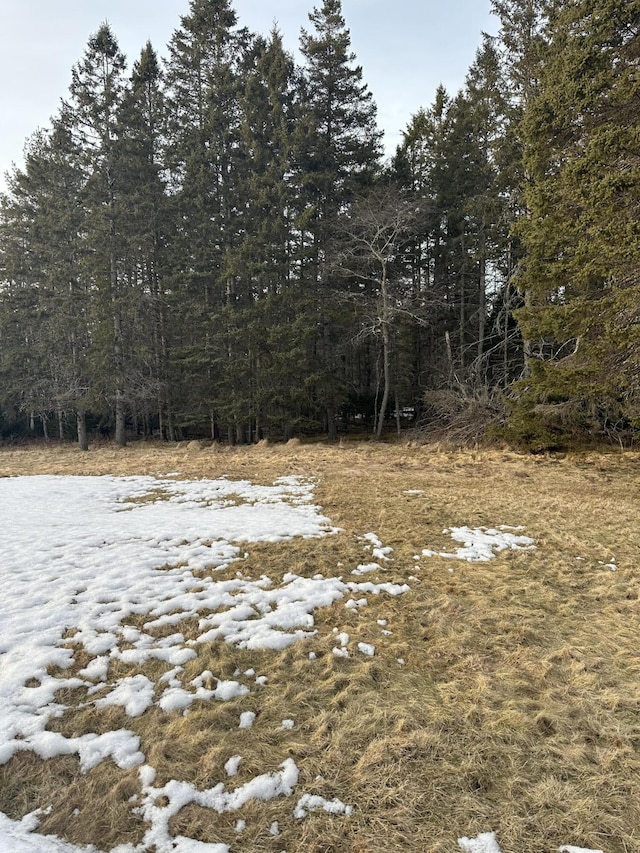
(406, 48)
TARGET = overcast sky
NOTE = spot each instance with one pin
(406, 48)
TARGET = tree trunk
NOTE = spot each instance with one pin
(482, 306)
(332, 429)
(386, 374)
(386, 355)
(81, 423)
(120, 435)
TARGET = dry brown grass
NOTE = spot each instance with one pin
(517, 709)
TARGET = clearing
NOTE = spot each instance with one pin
(318, 648)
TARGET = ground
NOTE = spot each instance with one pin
(433, 694)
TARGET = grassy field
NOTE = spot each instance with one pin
(517, 707)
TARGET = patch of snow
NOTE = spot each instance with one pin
(483, 843)
(568, 848)
(367, 649)
(135, 694)
(190, 845)
(481, 544)
(312, 802)
(377, 548)
(93, 554)
(231, 766)
(17, 837)
(365, 568)
(177, 795)
(247, 719)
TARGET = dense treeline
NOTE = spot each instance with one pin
(212, 245)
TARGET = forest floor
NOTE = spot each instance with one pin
(431, 696)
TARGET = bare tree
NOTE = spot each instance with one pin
(368, 251)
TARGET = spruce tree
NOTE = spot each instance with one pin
(267, 254)
(143, 232)
(92, 115)
(339, 154)
(582, 239)
(44, 307)
(204, 158)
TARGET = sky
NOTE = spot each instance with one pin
(406, 50)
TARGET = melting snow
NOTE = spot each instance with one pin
(247, 719)
(483, 843)
(481, 544)
(83, 555)
(486, 843)
(311, 802)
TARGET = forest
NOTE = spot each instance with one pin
(214, 246)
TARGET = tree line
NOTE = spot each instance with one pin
(212, 245)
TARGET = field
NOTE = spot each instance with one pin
(433, 697)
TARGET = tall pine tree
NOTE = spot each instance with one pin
(582, 239)
(339, 155)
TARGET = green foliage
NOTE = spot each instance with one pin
(582, 239)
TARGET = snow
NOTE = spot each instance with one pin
(481, 544)
(16, 837)
(189, 845)
(84, 557)
(231, 766)
(483, 843)
(247, 719)
(377, 548)
(486, 842)
(177, 795)
(135, 694)
(311, 802)
(71, 557)
(568, 848)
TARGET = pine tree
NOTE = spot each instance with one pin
(582, 238)
(44, 311)
(204, 157)
(143, 232)
(267, 255)
(92, 116)
(339, 155)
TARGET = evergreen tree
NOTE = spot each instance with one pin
(279, 368)
(204, 83)
(339, 154)
(582, 239)
(143, 234)
(92, 115)
(44, 312)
